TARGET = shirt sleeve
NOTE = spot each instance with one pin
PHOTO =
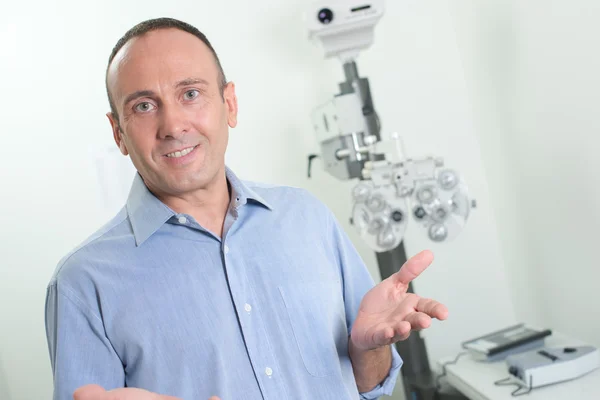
(80, 352)
(357, 281)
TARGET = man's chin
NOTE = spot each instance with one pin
(188, 183)
(183, 187)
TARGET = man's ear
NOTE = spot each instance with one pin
(117, 134)
(231, 103)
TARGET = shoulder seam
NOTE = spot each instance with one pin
(70, 295)
(86, 243)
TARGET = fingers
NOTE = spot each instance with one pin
(389, 334)
(415, 321)
(418, 321)
(151, 396)
(418, 311)
(96, 392)
(433, 308)
(410, 312)
(401, 331)
(383, 336)
(414, 267)
(89, 392)
(214, 398)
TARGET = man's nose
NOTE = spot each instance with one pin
(174, 121)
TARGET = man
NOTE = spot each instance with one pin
(205, 285)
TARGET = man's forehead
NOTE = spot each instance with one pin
(155, 52)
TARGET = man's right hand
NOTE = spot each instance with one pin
(95, 392)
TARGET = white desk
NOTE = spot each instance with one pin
(476, 379)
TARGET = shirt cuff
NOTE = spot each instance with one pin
(387, 386)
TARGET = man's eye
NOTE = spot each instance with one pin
(191, 94)
(143, 107)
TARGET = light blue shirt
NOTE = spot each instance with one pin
(153, 300)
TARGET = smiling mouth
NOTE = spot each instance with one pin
(181, 153)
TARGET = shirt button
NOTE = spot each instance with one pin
(226, 249)
(248, 307)
(182, 220)
(268, 371)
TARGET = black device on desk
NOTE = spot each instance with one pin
(498, 345)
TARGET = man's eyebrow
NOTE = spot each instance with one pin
(192, 81)
(138, 94)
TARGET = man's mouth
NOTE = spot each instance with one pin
(181, 153)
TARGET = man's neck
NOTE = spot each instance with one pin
(208, 206)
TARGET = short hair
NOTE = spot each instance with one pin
(153, 25)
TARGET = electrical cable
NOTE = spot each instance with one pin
(440, 376)
(507, 382)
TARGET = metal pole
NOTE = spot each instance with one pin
(419, 381)
(419, 384)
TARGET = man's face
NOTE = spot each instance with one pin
(173, 122)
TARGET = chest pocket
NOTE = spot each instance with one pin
(318, 323)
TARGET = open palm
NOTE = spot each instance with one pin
(96, 392)
(388, 313)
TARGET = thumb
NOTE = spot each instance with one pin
(214, 398)
(89, 392)
(413, 267)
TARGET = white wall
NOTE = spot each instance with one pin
(3, 383)
(53, 106)
(487, 40)
(556, 108)
(532, 69)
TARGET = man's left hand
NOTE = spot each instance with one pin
(388, 314)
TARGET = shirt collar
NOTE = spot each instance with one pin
(147, 213)
(241, 193)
